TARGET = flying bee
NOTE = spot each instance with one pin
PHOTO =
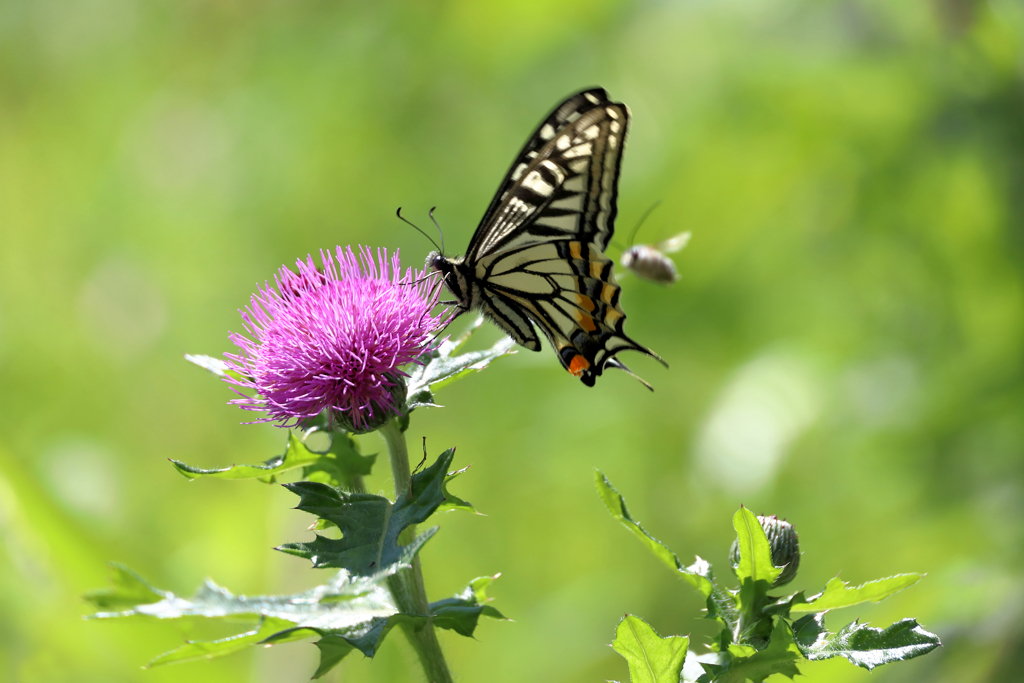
(650, 261)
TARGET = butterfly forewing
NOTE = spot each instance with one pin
(567, 112)
(565, 186)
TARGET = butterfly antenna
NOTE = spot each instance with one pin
(643, 218)
(403, 219)
(439, 231)
(416, 282)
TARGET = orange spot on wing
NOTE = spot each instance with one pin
(607, 292)
(586, 322)
(574, 250)
(585, 302)
(578, 365)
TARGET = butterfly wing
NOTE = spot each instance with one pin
(565, 113)
(538, 254)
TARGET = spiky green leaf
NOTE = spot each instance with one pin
(747, 664)
(442, 367)
(335, 466)
(462, 612)
(721, 604)
(863, 645)
(370, 525)
(127, 590)
(651, 658)
(755, 551)
(838, 593)
(451, 501)
(346, 613)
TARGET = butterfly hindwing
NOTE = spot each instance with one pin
(568, 288)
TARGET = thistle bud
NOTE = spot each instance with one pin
(784, 544)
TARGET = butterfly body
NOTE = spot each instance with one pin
(537, 257)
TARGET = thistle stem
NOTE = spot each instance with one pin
(407, 585)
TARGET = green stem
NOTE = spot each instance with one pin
(407, 585)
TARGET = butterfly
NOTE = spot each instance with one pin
(537, 256)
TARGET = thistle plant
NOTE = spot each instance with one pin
(351, 346)
(346, 347)
(761, 634)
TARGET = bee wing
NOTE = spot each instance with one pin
(674, 244)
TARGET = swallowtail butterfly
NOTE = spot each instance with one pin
(537, 257)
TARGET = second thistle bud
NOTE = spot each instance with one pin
(784, 544)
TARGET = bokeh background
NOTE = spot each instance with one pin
(845, 343)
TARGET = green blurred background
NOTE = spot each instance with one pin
(845, 343)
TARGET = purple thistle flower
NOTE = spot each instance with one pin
(335, 338)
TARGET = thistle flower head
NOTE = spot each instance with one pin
(334, 338)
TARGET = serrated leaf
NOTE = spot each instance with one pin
(209, 649)
(781, 606)
(348, 612)
(459, 614)
(694, 665)
(616, 505)
(462, 612)
(838, 593)
(333, 649)
(370, 525)
(756, 574)
(127, 590)
(344, 605)
(342, 602)
(451, 501)
(336, 465)
(214, 365)
(866, 646)
(720, 603)
(755, 551)
(808, 630)
(441, 367)
(779, 657)
(651, 658)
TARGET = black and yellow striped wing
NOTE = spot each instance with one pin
(537, 256)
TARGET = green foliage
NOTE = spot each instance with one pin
(462, 612)
(758, 637)
(755, 565)
(838, 593)
(721, 604)
(746, 663)
(651, 658)
(442, 367)
(335, 466)
(357, 608)
(861, 644)
(370, 524)
(349, 612)
(451, 501)
(215, 365)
